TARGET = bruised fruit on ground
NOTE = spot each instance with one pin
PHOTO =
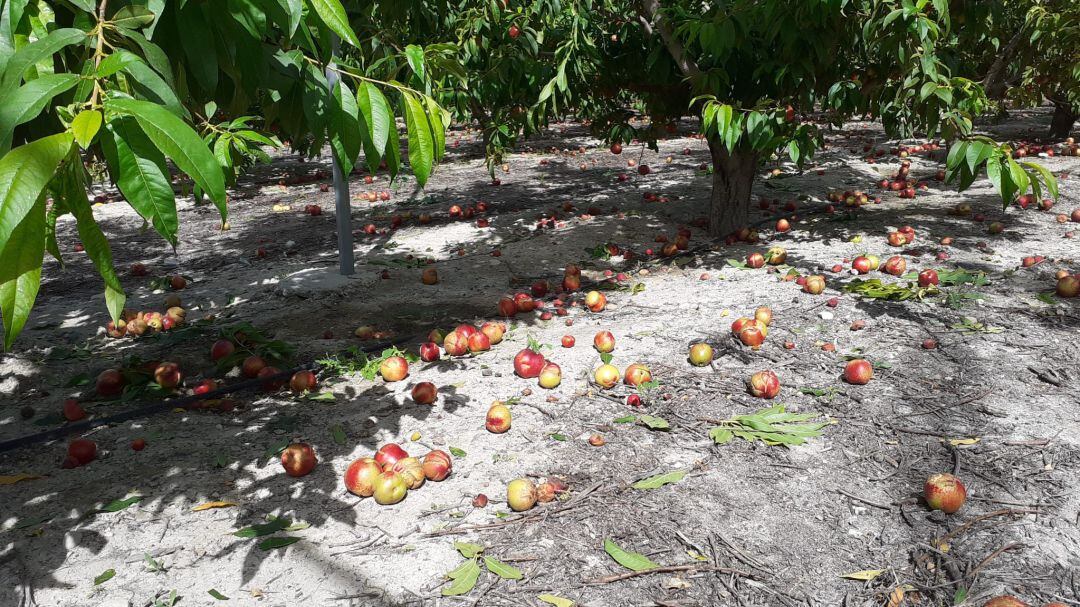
(168, 375)
(895, 265)
(595, 301)
(701, 354)
(479, 342)
(411, 471)
(1068, 286)
(944, 492)
(456, 344)
(764, 384)
(425, 393)
(858, 372)
(389, 453)
(550, 376)
(498, 418)
(752, 335)
(606, 376)
(82, 450)
(437, 465)
(298, 459)
(814, 285)
(390, 488)
(429, 276)
(521, 494)
(604, 341)
(637, 374)
(394, 368)
(361, 475)
(763, 315)
(568, 341)
(110, 382)
(138, 444)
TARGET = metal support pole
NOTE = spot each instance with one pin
(343, 209)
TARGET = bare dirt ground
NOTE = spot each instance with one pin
(750, 524)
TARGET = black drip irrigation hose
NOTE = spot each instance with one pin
(182, 402)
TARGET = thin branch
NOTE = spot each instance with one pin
(695, 567)
(652, 20)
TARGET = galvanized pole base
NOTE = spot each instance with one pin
(343, 210)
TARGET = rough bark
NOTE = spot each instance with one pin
(995, 82)
(1062, 122)
(733, 179)
(651, 19)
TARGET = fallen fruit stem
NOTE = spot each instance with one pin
(670, 569)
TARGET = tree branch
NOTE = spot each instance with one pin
(651, 19)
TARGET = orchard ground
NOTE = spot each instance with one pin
(749, 524)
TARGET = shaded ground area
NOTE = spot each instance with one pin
(748, 525)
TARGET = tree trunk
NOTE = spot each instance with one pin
(733, 179)
(1062, 122)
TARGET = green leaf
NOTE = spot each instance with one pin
(421, 146)
(557, 601)
(97, 246)
(133, 17)
(630, 560)
(468, 550)
(141, 174)
(35, 52)
(414, 55)
(85, 127)
(217, 595)
(344, 127)
(440, 120)
(653, 422)
(338, 432)
(375, 120)
(118, 505)
(268, 528)
(332, 13)
(104, 577)
(626, 419)
(721, 436)
(24, 174)
(278, 542)
(464, 580)
(27, 101)
(457, 452)
(16, 300)
(180, 143)
(655, 482)
(502, 570)
(294, 9)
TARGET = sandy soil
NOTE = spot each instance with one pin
(748, 525)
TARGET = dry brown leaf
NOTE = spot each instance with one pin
(864, 575)
(209, 505)
(11, 480)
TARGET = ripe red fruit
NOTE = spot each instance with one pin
(929, 344)
(110, 382)
(429, 352)
(298, 459)
(528, 364)
(480, 501)
(539, 289)
(616, 148)
(138, 269)
(645, 170)
(764, 384)
(636, 374)
(858, 372)
(456, 344)
(895, 265)
(394, 368)
(755, 260)
(479, 342)
(389, 454)
(927, 278)
(514, 31)
(425, 393)
(73, 412)
(82, 450)
(303, 381)
(1075, 215)
(252, 366)
(861, 265)
(595, 301)
(168, 375)
(494, 331)
(177, 282)
(360, 476)
(138, 444)
(568, 341)
(944, 492)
